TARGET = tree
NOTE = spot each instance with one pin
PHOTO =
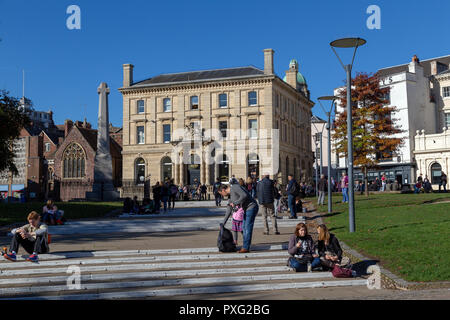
(375, 133)
(12, 120)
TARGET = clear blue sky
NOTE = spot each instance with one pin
(64, 67)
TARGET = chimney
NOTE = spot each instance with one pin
(127, 75)
(415, 66)
(434, 67)
(268, 61)
(291, 74)
(68, 124)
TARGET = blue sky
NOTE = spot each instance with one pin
(64, 67)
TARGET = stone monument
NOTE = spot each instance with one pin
(103, 187)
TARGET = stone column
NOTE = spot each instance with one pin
(181, 165)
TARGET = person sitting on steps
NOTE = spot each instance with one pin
(33, 237)
(303, 251)
(329, 248)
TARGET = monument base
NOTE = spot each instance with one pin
(103, 192)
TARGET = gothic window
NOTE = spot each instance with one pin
(74, 161)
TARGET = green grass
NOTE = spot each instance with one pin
(407, 235)
(17, 212)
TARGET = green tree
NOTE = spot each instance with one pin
(375, 132)
(12, 120)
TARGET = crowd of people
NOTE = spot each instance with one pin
(424, 184)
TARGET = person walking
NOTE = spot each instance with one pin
(277, 198)
(173, 192)
(322, 186)
(443, 181)
(383, 182)
(266, 196)
(217, 195)
(203, 191)
(239, 196)
(157, 196)
(344, 187)
(293, 190)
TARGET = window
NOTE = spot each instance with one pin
(224, 169)
(47, 147)
(167, 105)
(194, 102)
(253, 165)
(436, 171)
(166, 133)
(223, 103)
(140, 135)
(446, 92)
(140, 106)
(253, 128)
(447, 120)
(223, 126)
(140, 170)
(74, 160)
(252, 98)
(166, 168)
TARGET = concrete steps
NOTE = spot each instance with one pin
(140, 274)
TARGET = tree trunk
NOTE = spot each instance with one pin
(366, 182)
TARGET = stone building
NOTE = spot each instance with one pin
(415, 91)
(74, 161)
(215, 124)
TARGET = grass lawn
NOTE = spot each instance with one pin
(17, 212)
(408, 233)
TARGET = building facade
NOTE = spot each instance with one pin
(413, 93)
(214, 124)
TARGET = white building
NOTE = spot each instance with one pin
(413, 93)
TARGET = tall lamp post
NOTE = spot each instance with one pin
(349, 43)
(316, 142)
(328, 113)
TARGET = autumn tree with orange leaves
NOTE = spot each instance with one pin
(375, 132)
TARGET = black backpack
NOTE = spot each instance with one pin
(225, 241)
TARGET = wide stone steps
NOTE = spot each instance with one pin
(140, 274)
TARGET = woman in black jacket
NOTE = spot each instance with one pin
(329, 248)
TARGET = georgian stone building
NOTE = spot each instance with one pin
(174, 124)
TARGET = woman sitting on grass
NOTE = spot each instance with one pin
(302, 250)
(50, 214)
(329, 248)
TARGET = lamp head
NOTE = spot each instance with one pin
(348, 43)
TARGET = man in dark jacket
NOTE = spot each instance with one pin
(266, 196)
(157, 196)
(322, 186)
(217, 195)
(292, 191)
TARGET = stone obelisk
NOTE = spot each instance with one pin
(103, 188)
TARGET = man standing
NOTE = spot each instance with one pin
(383, 182)
(157, 196)
(292, 191)
(239, 196)
(443, 181)
(217, 195)
(266, 195)
(322, 186)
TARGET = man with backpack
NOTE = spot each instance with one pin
(293, 190)
(239, 196)
(266, 195)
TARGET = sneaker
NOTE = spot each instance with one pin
(33, 258)
(309, 267)
(10, 257)
(59, 222)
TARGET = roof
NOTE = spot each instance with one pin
(205, 75)
(426, 64)
(316, 119)
(91, 137)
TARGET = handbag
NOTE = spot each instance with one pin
(238, 214)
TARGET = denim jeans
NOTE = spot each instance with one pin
(291, 204)
(249, 221)
(344, 194)
(302, 267)
(164, 200)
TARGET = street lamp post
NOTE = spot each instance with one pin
(316, 137)
(332, 98)
(349, 43)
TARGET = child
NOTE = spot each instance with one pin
(33, 237)
(237, 222)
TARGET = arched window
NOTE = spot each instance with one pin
(253, 165)
(74, 161)
(436, 171)
(140, 170)
(167, 105)
(224, 169)
(166, 168)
